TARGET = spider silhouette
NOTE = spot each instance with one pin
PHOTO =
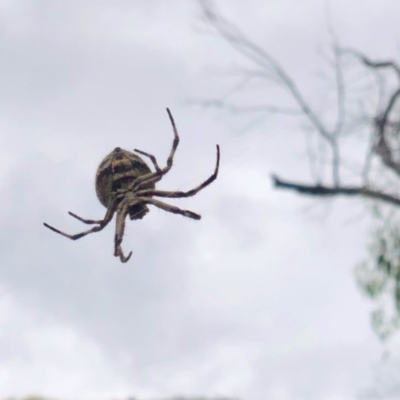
(125, 185)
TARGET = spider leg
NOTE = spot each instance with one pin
(76, 236)
(101, 224)
(149, 181)
(160, 172)
(174, 144)
(119, 234)
(95, 221)
(85, 221)
(152, 158)
(169, 208)
(177, 194)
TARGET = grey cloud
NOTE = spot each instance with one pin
(219, 304)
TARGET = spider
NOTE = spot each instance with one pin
(125, 185)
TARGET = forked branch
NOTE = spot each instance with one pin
(272, 68)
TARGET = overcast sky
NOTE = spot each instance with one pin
(257, 300)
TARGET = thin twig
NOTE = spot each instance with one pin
(235, 109)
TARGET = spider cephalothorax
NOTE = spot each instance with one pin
(125, 185)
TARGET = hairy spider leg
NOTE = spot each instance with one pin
(152, 158)
(153, 177)
(178, 194)
(174, 146)
(95, 221)
(85, 221)
(119, 233)
(169, 207)
(101, 224)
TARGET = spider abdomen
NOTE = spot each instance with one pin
(117, 171)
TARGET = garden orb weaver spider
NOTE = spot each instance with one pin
(125, 185)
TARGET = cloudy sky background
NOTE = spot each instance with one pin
(258, 299)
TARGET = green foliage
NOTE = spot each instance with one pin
(379, 276)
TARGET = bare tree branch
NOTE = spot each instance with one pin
(245, 109)
(325, 191)
(382, 148)
(340, 91)
(374, 64)
(382, 122)
(263, 59)
(341, 112)
(258, 55)
(373, 114)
